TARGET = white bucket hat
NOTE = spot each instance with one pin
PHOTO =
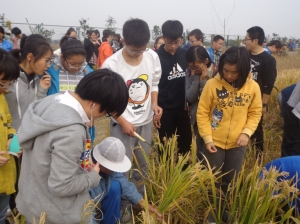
(110, 153)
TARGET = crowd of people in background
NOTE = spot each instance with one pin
(49, 101)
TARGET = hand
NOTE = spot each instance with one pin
(242, 140)
(95, 167)
(156, 121)
(203, 73)
(3, 160)
(8, 143)
(211, 148)
(153, 209)
(45, 81)
(157, 115)
(264, 110)
(19, 153)
(128, 128)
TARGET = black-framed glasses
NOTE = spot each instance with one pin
(108, 115)
(247, 39)
(2, 86)
(169, 42)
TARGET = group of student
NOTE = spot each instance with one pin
(223, 97)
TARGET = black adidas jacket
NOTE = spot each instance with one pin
(171, 94)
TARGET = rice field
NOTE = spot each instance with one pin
(182, 196)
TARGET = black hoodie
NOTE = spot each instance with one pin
(171, 87)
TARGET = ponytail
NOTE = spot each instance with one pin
(34, 44)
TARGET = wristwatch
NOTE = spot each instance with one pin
(265, 106)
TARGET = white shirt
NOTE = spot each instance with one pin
(141, 80)
(70, 101)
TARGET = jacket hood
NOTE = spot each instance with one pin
(44, 116)
(218, 77)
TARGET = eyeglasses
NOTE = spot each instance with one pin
(168, 42)
(133, 52)
(3, 86)
(221, 44)
(192, 41)
(76, 66)
(247, 39)
(108, 115)
(48, 61)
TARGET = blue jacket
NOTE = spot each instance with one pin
(53, 71)
(290, 164)
(128, 189)
(6, 45)
(267, 50)
(187, 45)
(211, 53)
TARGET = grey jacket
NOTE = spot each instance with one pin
(21, 94)
(294, 100)
(53, 138)
(193, 89)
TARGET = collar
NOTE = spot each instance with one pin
(70, 101)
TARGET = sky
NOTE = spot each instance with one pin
(274, 16)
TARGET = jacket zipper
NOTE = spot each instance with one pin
(233, 85)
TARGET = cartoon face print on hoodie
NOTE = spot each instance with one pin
(222, 97)
(138, 90)
(217, 116)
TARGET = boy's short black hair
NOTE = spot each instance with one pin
(106, 88)
(277, 44)
(217, 38)
(172, 29)
(240, 57)
(16, 31)
(197, 33)
(258, 33)
(8, 66)
(136, 32)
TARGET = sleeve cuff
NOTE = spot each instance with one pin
(154, 89)
(137, 199)
(43, 90)
(208, 139)
(247, 131)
